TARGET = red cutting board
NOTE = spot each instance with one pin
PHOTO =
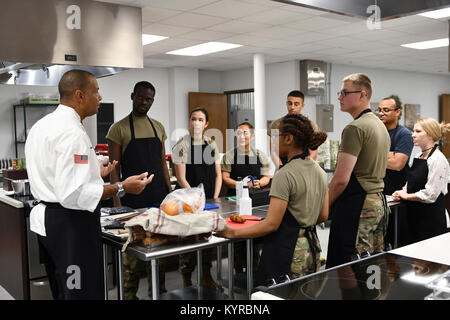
(245, 224)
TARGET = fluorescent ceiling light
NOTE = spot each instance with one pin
(438, 43)
(204, 48)
(437, 14)
(150, 38)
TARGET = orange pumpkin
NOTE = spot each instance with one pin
(170, 207)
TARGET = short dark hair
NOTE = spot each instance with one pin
(398, 103)
(144, 84)
(201, 110)
(297, 94)
(245, 123)
(72, 81)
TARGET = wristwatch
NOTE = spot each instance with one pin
(121, 191)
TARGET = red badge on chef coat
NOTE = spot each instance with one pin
(80, 159)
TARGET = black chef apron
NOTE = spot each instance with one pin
(144, 155)
(72, 253)
(278, 247)
(394, 180)
(243, 166)
(344, 217)
(425, 220)
(200, 171)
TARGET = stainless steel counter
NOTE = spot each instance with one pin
(153, 254)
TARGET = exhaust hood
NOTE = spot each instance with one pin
(41, 40)
(389, 9)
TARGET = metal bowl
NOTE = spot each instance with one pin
(21, 187)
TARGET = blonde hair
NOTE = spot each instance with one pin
(434, 129)
(362, 81)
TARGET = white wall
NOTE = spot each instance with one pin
(10, 95)
(411, 87)
(172, 87)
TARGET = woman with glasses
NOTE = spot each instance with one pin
(426, 183)
(196, 158)
(244, 160)
(298, 201)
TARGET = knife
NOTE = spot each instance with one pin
(254, 219)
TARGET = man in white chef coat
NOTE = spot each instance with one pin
(65, 177)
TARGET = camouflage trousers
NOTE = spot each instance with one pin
(303, 258)
(372, 224)
(188, 261)
(134, 269)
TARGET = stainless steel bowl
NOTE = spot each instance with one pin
(21, 187)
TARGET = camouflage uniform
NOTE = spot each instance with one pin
(187, 263)
(372, 224)
(302, 260)
(133, 269)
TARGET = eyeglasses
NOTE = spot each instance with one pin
(344, 93)
(386, 110)
(244, 133)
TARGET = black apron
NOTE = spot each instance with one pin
(144, 155)
(344, 216)
(243, 166)
(200, 171)
(394, 180)
(425, 220)
(74, 240)
(278, 247)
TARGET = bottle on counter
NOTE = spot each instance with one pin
(245, 206)
(239, 186)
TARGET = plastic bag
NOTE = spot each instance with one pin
(186, 200)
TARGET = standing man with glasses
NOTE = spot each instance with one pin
(357, 205)
(389, 112)
(295, 103)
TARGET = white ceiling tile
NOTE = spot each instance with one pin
(275, 16)
(268, 3)
(182, 5)
(295, 8)
(231, 9)
(237, 26)
(206, 35)
(316, 23)
(275, 32)
(194, 20)
(151, 14)
(165, 30)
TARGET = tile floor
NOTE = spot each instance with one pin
(174, 280)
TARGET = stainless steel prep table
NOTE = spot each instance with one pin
(226, 207)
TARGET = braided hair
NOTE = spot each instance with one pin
(301, 129)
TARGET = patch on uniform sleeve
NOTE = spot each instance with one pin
(80, 159)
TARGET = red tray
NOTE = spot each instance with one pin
(245, 224)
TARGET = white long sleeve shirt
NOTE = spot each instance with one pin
(62, 166)
(438, 177)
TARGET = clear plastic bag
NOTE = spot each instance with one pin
(185, 200)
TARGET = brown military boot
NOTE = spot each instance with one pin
(187, 282)
(207, 280)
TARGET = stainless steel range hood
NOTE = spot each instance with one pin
(389, 9)
(41, 40)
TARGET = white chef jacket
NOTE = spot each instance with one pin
(62, 166)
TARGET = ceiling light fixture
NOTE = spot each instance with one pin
(437, 14)
(430, 44)
(150, 38)
(204, 48)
